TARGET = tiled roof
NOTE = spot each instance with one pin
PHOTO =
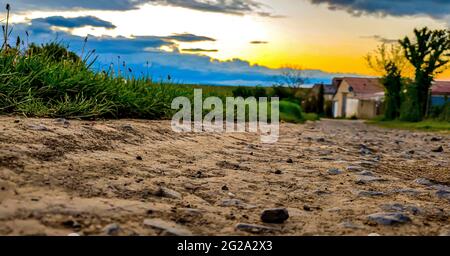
(441, 88)
(364, 85)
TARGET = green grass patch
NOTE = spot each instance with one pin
(311, 117)
(427, 125)
(50, 81)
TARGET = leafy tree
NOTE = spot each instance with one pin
(428, 52)
(390, 63)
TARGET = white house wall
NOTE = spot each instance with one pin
(335, 109)
(352, 107)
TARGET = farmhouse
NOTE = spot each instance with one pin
(357, 97)
(440, 93)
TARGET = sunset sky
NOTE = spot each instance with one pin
(229, 41)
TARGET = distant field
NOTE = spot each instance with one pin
(227, 91)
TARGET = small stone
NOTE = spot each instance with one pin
(63, 122)
(307, 208)
(16, 121)
(139, 158)
(39, 127)
(191, 212)
(438, 150)
(169, 228)
(436, 139)
(320, 140)
(199, 175)
(278, 215)
(366, 173)
(255, 229)
(225, 188)
(127, 127)
(111, 229)
(424, 182)
(322, 192)
(354, 168)
(278, 172)
(401, 208)
(290, 161)
(71, 224)
(441, 187)
(362, 180)
(389, 219)
(166, 192)
(334, 171)
(443, 194)
(349, 225)
(364, 150)
(236, 203)
(367, 164)
(406, 191)
(370, 193)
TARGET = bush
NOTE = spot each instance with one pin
(445, 114)
(291, 112)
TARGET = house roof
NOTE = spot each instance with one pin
(441, 88)
(364, 85)
(329, 89)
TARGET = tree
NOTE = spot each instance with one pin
(320, 100)
(428, 52)
(292, 76)
(390, 63)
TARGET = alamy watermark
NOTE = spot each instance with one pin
(237, 118)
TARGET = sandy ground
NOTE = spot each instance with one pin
(133, 177)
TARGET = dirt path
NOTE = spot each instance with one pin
(133, 177)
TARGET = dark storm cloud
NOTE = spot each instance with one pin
(199, 50)
(77, 22)
(41, 30)
(237, 7)
(433, 8)
(30, 5)
(190, 38)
